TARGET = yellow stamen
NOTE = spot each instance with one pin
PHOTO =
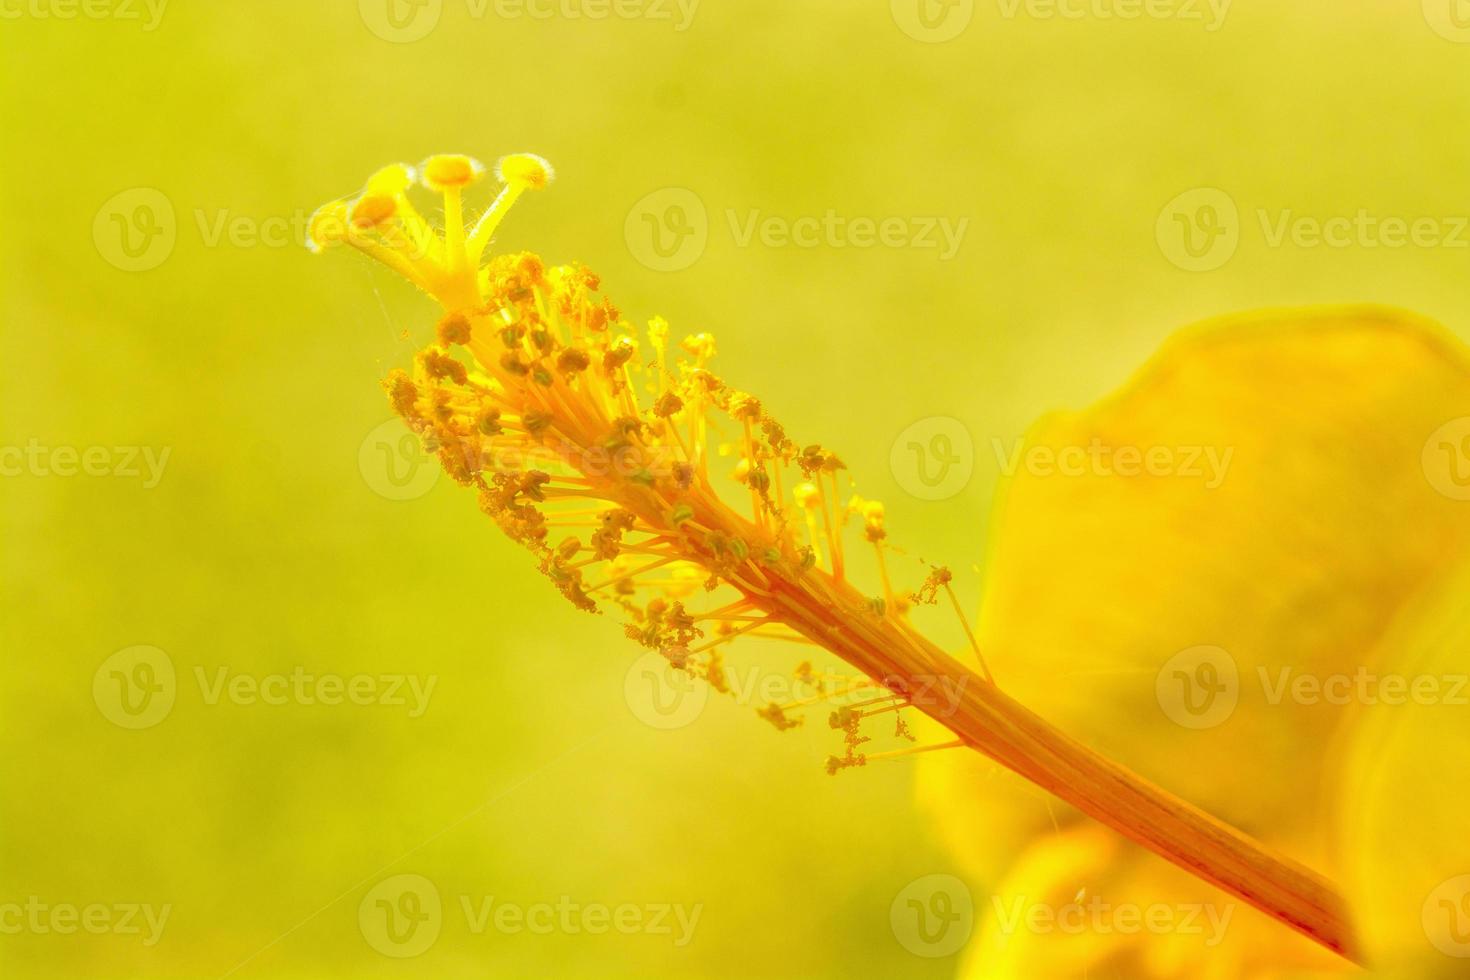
(520, 172)
(901, 753)
(553, 366)
(969, 634)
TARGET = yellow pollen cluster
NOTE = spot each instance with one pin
(590, 445)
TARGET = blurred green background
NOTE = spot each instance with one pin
(185, 317)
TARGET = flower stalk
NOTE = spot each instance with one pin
(598, 449)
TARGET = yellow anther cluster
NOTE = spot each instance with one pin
(383, 221)
(534, 393)
(448, 170)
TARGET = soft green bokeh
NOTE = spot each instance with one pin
(263, 547)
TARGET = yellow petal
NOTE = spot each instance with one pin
(1040, 896)
(1401, 827)
(1080, 903)
(1257, 505)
